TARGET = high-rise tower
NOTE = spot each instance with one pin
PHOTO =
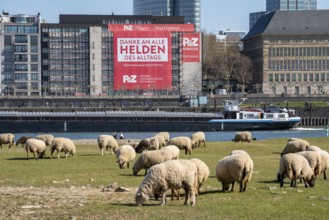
(190, 9)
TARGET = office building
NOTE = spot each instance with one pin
(284, 5)
(290, 52)
(190, 9)
(20, 69)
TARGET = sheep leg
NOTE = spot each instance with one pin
(281, 180)
(233, 186)
(186, 195)
(192, 195)
(128, 165)
(35, 156)
(163, 202)
(305, 182)
(324, 175)
(102, 151)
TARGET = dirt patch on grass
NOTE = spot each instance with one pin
(53, 203)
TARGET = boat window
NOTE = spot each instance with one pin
(269, 116)
(281, 115)
(250, 116)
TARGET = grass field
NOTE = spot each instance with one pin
(72, 188)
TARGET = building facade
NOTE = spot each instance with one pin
(78, 56)
(20, 69)
(284, 5)
(273, 5)
(190, 9)
(290, 52)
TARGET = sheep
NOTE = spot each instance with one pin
(243, 136)
(147, 144)
(174, 150)
(125, 155)
(295, 146)
(47, 138)
(182, 143)
(161, 140)
(22, 140)
(7, 138)
(314, 160)
(203, 172)
(150, 158)
(63, 144)
(198, 138)
(172, 174)
(295, 139)
(35, 146)
(313, 148)
(295, 166)
(107, 142)
(232, 168)
(165, 135)
(324, 159)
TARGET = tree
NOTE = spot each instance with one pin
(243, 73)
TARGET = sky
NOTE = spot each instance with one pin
(215, 14)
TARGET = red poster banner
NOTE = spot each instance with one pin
(142, 60)
(152, 27)
(191, 47)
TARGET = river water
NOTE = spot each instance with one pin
(210, 136)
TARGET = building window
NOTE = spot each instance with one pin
(21, 67)
(34, 67)
(323, 77)
(296, 90)
(34, 76)
(317, 78)
(21, 39)
(299, 77)
(310, 77)
(294, 77)
(270, 77)
(288, 77)
(277, 77)
(34, 58)
(34, 86)
(282, 77)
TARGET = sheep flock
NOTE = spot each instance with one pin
(159, 156)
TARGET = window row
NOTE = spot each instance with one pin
(298, 51)
(298, 64)
(21, 29)
(298, 77)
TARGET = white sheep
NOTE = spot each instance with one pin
(172, 174)
(35, 146)
(295, 139)
(182, 142)
(165, 135)
(314, 160)
(125, 155)
(47, 138)
(63, 144)
(203, 172)
(198, 138)
(150, 158)
(295, 166)
(243, 136)
(295, 146)
(148, 144)
(108, 142)
(174, 151)
(324, 159)
(7, 138)
(232, 168)
(161, 140)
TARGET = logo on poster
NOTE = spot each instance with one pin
(190, 42)
(129, 78)
(128, 27)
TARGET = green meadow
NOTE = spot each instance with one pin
(72, 188)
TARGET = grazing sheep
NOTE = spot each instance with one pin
(63, 144)
(165, 135)
(35, 146)
(314, 160)
(295, 146)
(172, 174)
(182, 143)
(150, 158)
(7, 138)
(324, 159)
(198, 138)
(295, 166)
(47, 138)
(147, 144)
(125, 155)
(107, 142)
(161, 140)
(22, 140)
(313, 148)
(174, 151)
(244, 136)
(236, 167)
(203, 172)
